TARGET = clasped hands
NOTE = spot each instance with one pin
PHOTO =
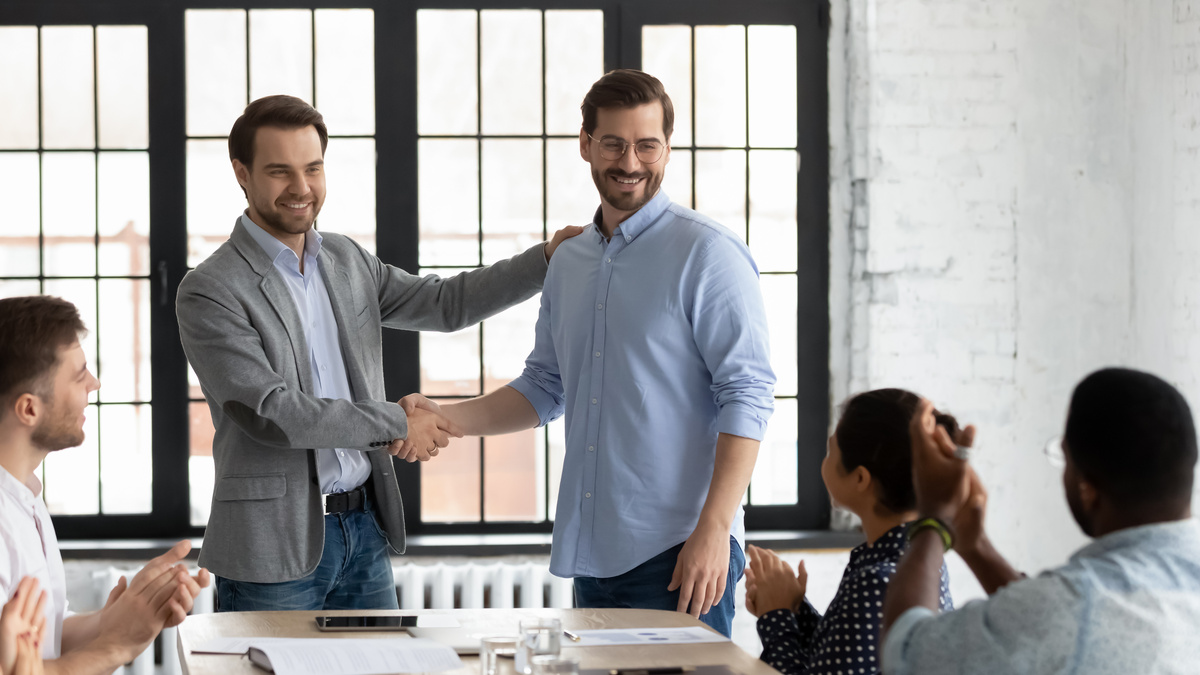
(946, 486)
(771, 584)
(428, 430)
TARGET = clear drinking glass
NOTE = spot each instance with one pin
(494, 648)
(538, 637)
(547, 664)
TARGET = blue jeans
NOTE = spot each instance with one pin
(645, 587)
(355, 572)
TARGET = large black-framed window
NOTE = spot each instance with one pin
(400, 142)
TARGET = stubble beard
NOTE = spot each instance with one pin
(626, 201)
(57, 432)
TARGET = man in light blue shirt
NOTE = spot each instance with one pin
(652, 339)
(1129, 602)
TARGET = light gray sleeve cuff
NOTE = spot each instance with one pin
(895, 645)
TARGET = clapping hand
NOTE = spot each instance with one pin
(22, 628)
(771, 584)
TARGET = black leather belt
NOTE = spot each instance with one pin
(340, 502)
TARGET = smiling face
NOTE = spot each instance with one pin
(627, 183)
(61, 423)
(286, 186)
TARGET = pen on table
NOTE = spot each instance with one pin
(571, 636)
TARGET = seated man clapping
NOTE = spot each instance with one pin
(1129, 602)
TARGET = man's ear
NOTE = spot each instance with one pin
(241, 172)
(1089, 497)
(27, 409)
(584, 142)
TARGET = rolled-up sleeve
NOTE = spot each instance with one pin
(540, 383)
(730, 329)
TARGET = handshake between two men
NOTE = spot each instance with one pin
(428, 430)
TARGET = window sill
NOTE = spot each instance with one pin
(443, 545)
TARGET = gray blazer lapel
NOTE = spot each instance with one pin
(341, 297)
(276, 293)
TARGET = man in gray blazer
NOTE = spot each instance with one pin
(282, 326)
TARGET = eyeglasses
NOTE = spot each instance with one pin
(612, 148)
(1054, 453)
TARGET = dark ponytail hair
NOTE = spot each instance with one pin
(873, 433)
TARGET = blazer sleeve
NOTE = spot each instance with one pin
(448, 304)
(226, 350)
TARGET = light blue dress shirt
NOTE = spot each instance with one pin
(1127, 603)
(338, 469)
(652, 344)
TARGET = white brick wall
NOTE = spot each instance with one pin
(1016, 199)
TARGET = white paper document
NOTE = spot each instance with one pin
(231, 645)
(644, 636)
(323, 656)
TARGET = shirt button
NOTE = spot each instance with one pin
(591, 448)
(341, 454)
(597, 354)
(600, 306)
(608, 260)
(594, 401)
(588, 495)
(628, 239)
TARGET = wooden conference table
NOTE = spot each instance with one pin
(198, 629)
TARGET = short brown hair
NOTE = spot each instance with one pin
(626, 88)
(32, 330)
(280, 111)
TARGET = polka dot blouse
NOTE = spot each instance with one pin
(845, 641)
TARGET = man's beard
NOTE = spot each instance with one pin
(274, 218)
(57, 432)
(626, 201)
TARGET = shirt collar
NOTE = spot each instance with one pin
(26, 491)
(1156, 535)
(641, 219)
(888, 546)
(275, 248)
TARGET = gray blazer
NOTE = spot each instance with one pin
(242, 334)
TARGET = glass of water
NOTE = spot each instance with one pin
(494, 648)
(538, 637)
(548, 664)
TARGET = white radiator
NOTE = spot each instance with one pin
(472, 585)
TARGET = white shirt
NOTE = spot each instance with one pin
(29, 548)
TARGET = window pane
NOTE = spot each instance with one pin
(216, 69)
(779, 296)
(346, 70)
(556, 437)
(201, 470)
(124, 365)
(510, 486)
(281, 53)
(123, 87)
(18, 81)
(82, 294)
(350, 190)
(507, 341)
(447, 93)
(571, 197)
(772, 86)
(12, 289)
(126, 460)
(450, 361)
(773, 209)
(511, 44)
(124, 213)
(450, 482)
(214, 198)
(512, 197)
(721, 187)
(775, 472)
(68, 98)
(677, 180)
(721, 86)
(666, 54)
(19, 236)
(71, 477)
(574, 60)
(448, 201)
(69, 213)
